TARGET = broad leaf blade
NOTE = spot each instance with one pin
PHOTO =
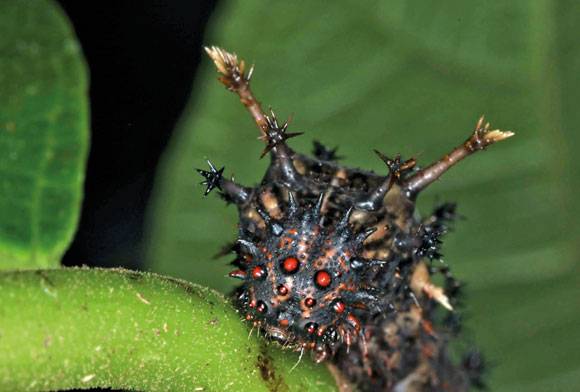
(43, 133)
(412, 78)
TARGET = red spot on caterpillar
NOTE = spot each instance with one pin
(309, 302)
(258, 272)
(322, 279)
(282, 290)
(290, 265)
(311, 328)
(261, 307)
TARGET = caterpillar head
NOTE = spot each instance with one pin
(304, 283)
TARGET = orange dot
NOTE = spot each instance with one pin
(323, 279)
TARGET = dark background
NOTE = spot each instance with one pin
(141, 60)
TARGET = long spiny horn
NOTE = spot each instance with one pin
(481, 138)
(234, 77)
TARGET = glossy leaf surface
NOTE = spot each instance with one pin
(43, 133)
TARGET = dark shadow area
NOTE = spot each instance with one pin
(142, 57)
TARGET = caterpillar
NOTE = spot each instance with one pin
(336, 261)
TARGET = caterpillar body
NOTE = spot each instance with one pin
(336, 261)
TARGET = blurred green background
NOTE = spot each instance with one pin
(411, 77)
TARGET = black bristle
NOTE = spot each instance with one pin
(430, 243)
(212, 177)
(228, 248)
(475, 366)
(324, 153)
(276, 135)
(444, 215)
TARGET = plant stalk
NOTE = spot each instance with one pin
(85, 328)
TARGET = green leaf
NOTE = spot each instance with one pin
(412, 77)
(134, 331)
(43, 133)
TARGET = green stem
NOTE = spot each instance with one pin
(83, 328)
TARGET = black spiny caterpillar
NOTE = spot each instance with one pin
(336, 261)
